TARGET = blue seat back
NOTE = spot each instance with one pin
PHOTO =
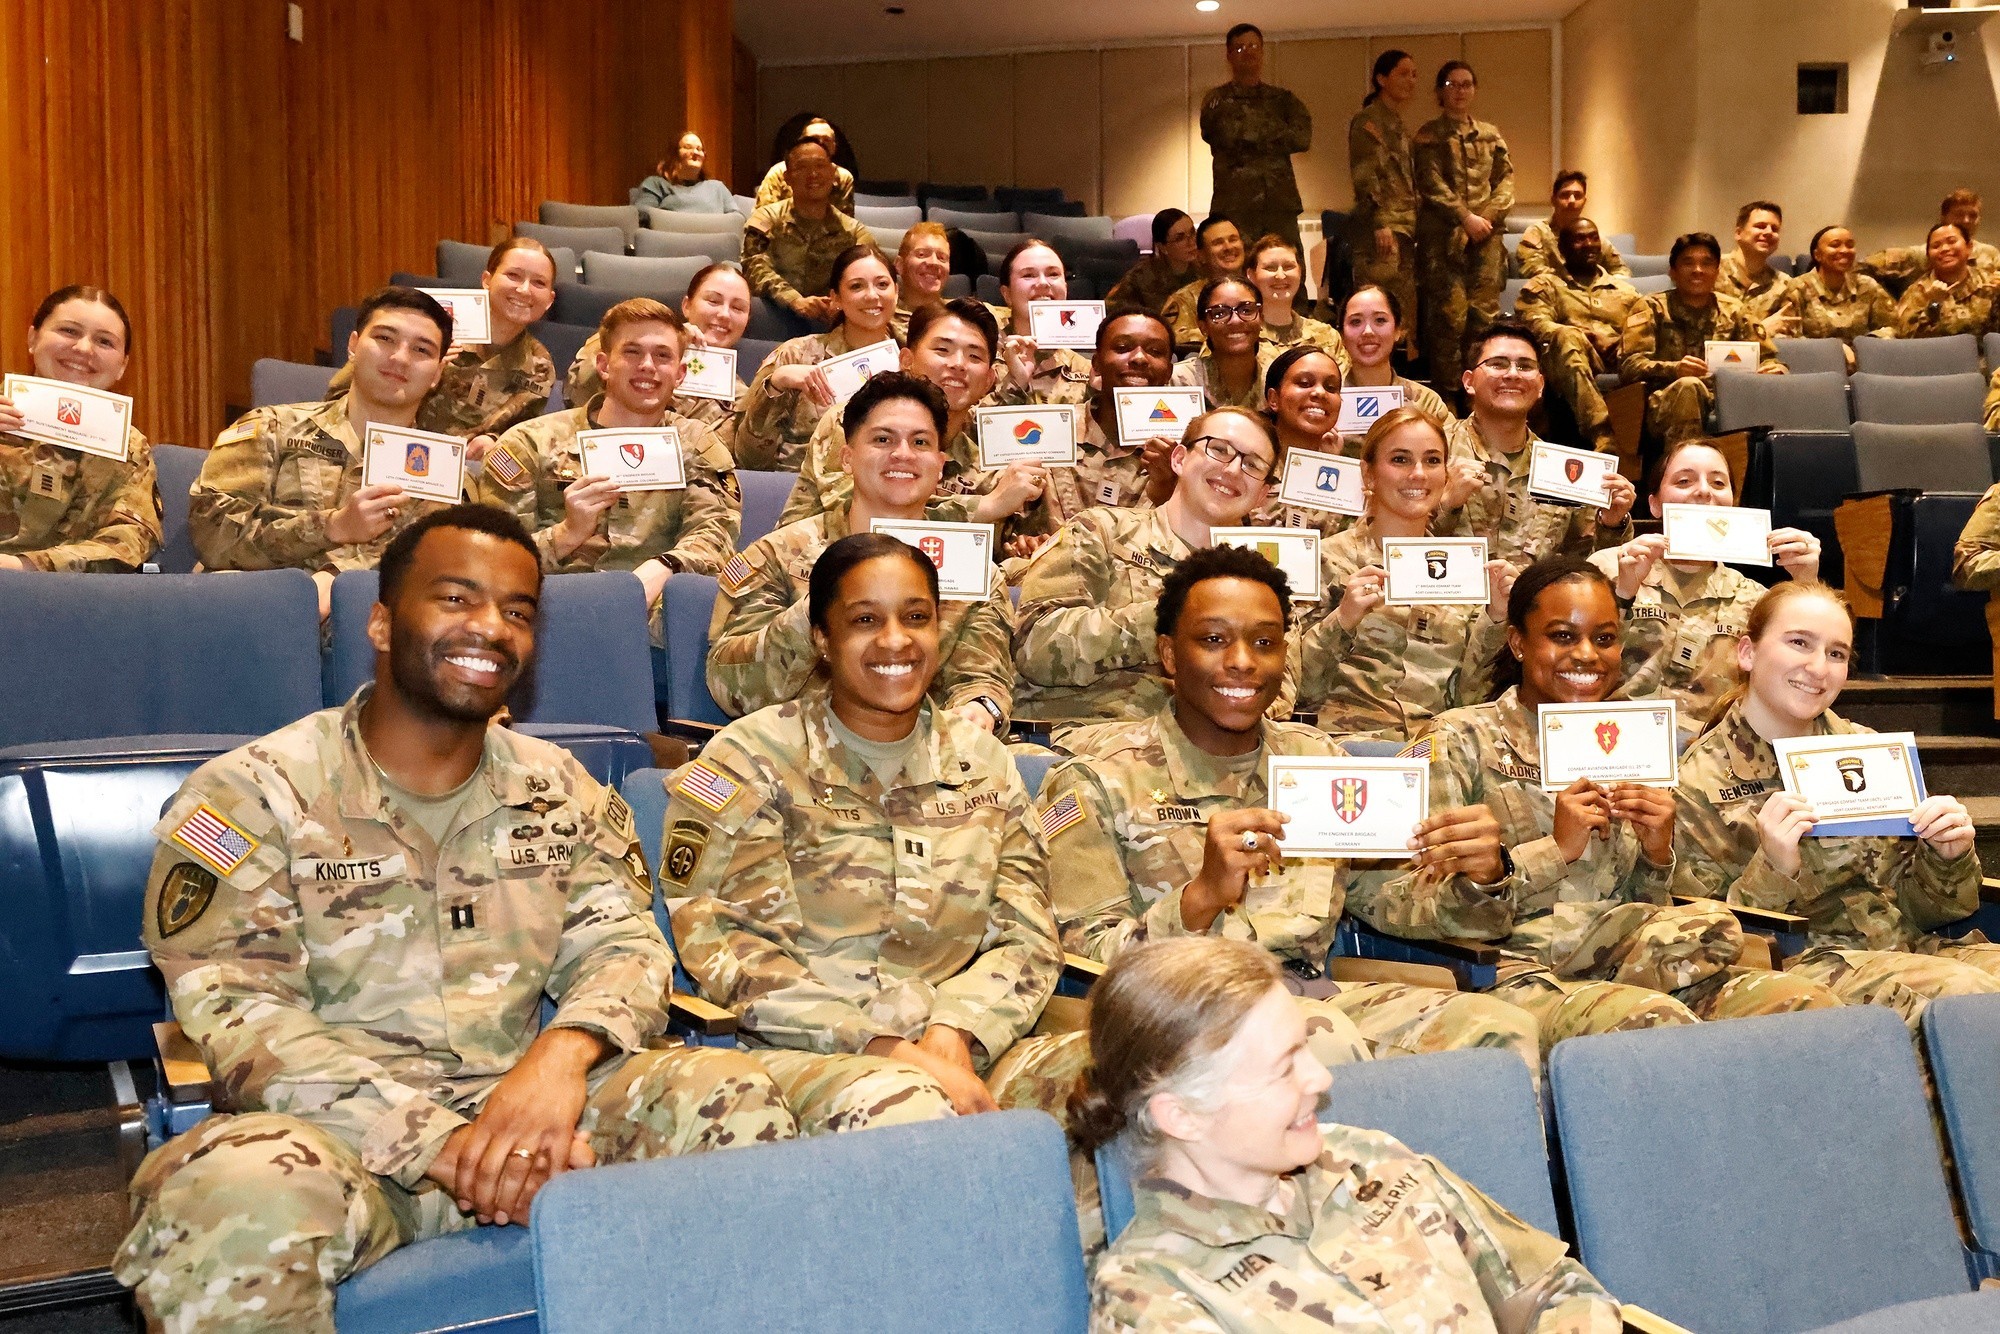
(764, 497)
(750, 354)
(1962, 1036)
(1034, 770)
(645, 791)
(177, 466)
(1810, 402)
(978, 1212)
(1955, 354)
(686, 608)
(164, 653)
(563, 341)
(1810, 355)
(275, 381)
(593, 660)
(1918, 400)
(1765, 1175)
(483, 1279)
(709, 247)
(76, 844)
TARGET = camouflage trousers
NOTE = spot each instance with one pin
(247, 1222)
(1396, 275)
(1572, 365)
(1680, 411)
(830, 1094)
(1905, 982)
(1459, 287)
(1398, 1019)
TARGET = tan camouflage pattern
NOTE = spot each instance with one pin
(1905, 264)
(1991, 412)
(1383, 165)
(1061, 375)
(1810, 309)
(1761, 297)
(1183, 314)
(823, 487)
(1371, 1237)
(483, 390)
(1680, 636)
(1975, 558)
(65, 510)
(829, 1095)
(582, 384)
(1252, 133)
(787, 257)
(1538, 253)
(1149, 284)
(1519, 528)
(1402, 666)
(760, 649)
(1462, 168)
(827, 909)
(247, 1222)
(272, 481)
(1932, 309)
(1659, 331)
(1302, 329)
(694, 528)
(775, 189)
(1569, 320)
(1200, 372)
(773, 427)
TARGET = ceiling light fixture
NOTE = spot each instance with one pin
(1207, 6)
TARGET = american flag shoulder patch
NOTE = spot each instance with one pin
(735, 575)
(209, 835)
(506, 466)
(707, 786)
(1416, 750)
(1061, 816)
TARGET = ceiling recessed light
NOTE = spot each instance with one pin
(1208, 6)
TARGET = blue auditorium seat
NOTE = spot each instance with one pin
(1956, 354)
(275, 381)
(975, 1218)
(117, 657)
(178, 467)
(764, 497)
(680, 671)
(480, 1280)
(1962, 1037)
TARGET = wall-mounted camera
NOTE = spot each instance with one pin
(1941, 49)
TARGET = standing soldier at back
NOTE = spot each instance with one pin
(1384, 237)
(1253, 130)
(1465, 186)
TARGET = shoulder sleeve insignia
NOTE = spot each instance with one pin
(1416, 750)
(505, 466)
(685, 844)
(237, 434)
(184, 897)
(618, 816)
(1061, 816)
(216, 842)
(735, 575)
(706, 786)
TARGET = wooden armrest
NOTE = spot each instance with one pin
(711, 1021)
(1989, 890)
(1076, 968)
(182, 1070)
(1757, 919)
(1435, 976)
(1639, 1319)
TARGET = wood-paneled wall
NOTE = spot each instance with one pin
(233, 186)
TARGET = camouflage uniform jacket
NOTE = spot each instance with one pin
(1375, 1239)
(828, 910)
(1680, 635)
(1907, 263)
(1149, 284)
(1975, 559)
(1538, 253)
(1302, 329)
(1384, 170)
(692, 529)
(1856, 893)
(1417, 395)
(1760, 297)
(787, 257)
(62, 509)
(1489, 754)
(823, 486)
(1062, 375)
(1253, 133)
(1462, 168)
(772, 425)
(270, 484)
(1931, 308)
(760, 649)
(775, 189)
(1660, 330)
(1992, 410)
(1813, 310)
(582, 384)
(483, 389)
(333, 964)
(1553, 299)
(1519, 528)
(1184, 317)
(1199, 371)
(1401, 667)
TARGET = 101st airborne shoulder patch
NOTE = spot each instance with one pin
(184, 897)
(685, 844)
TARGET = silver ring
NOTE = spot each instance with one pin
(1249, 840)
(521, 1153)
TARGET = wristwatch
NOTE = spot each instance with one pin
(991, 708)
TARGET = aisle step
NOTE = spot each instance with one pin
(1927, 705)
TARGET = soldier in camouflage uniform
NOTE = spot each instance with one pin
(760, 649)
(1873, 905)
(1147, 822)
(1746, 272)
(789, 247)
(1252, 129)
(1085, 647)
(587, 523)
(283, 486)
(1665, 337)
(1221, 256)
(1593, 939)
(1276, 271)
(63, 509)
(1156, 277)
(775, 188)
(1465, 185)
(717, 307)
(1371, 324)
(844, 889)
(1898, 266)
(1033, 271)
(1830, 300)
(358, 932)
(1577, 314)
(1383, 225)
(1229, 369)
(1975, 559)
(1953, 298)
(1539, 250)
(1491, 451)
(1302, 400)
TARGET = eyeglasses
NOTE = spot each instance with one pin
(1223, 452)
(1232, 314)
(1460, 85)
(1510, 366)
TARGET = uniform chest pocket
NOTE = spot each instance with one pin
(645, 520)
(353, 908)
(314, 479)
(1137, 581)
(1515, 796)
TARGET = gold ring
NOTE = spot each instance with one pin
(521, 1153)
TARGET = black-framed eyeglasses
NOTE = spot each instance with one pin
(1232, 314)
(1225, 453)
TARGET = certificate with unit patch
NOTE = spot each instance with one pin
(1039, 433)
(1361, 407)
(1293, 550)
(845, 374)
(423, 463)
(471, 313)
(710, 373)
(1577, 475)
(1435, 572)
(1156, 414)
(1347, 806)
(962, 552)
(1727, 356)
(1717, 532)
(1330, 483)
(1630, 742)
(646, 458)
(1861, 776)
(71, 415)
(1065, 323)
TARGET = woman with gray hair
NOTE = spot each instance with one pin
(1249, 1213)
